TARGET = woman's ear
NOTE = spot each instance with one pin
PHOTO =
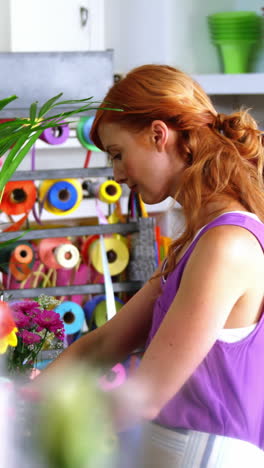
(159, 134)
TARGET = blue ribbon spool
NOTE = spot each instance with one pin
(62, 195)
(86, 130)
(83, 133)
(72, 315)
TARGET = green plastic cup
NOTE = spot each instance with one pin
(236, 36)
(236, 56)
(232, 16)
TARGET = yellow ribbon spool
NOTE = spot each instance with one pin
(45, 187)
(117, 255)
(109, 191)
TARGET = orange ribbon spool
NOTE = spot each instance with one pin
(19, 197)
(19, 264)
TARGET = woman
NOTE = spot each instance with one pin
(200, 318)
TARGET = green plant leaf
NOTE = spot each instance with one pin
(48, 105)
(4, 102)
(33, 111)
(18, 153)
(10, 140)
(72, 101)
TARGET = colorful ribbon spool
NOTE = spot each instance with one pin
(115, 377)
(47, 249)
(83, 133)
(62, 195)
(96, 312)
(109, 191)
(19, 197)
(21, 261)
(65, 193)
(85, 247)
(72, 315)
(56, 135)
(20, 252)
(67, 256)
(117, 255)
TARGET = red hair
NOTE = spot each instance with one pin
(224, 152)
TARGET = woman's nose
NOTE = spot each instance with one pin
(119, 176)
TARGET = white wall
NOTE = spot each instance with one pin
(4, 26)
(162, 31)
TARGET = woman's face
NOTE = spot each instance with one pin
(146, 161)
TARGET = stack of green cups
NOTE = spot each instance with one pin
(236, 34)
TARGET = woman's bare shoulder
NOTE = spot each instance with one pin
(231, 240)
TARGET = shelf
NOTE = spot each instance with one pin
(125, 286)
(232, 84)
(63, 173)
(117, 228)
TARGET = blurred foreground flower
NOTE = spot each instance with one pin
(75, 427)
(8, 328)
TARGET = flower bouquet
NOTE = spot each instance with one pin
(38, 327)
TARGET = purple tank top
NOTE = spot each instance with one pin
(225, 394)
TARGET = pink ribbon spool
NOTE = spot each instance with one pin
(115, 377)
(46, 251)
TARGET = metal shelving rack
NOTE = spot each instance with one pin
(42, 71)
(118, 228)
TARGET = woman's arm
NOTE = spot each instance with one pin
(221, 269)
(113, 341)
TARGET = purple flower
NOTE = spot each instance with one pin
(29, 337)
(52, 322)
(21, 320)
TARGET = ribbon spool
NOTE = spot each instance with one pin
(21, 261)
(117, 255)
(96, 312)
(85, 247)
(115, 377)
(56, 135)
(47, 249)
(108, 192)
(67, 256)
(72, 315)
(83, 133)
(19, 197)
(20, 252)
(62, 196)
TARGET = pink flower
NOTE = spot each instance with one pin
(21, 320)
(29, 337)
(27, 307)
(52, 322)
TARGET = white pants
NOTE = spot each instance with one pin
(166, 448)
